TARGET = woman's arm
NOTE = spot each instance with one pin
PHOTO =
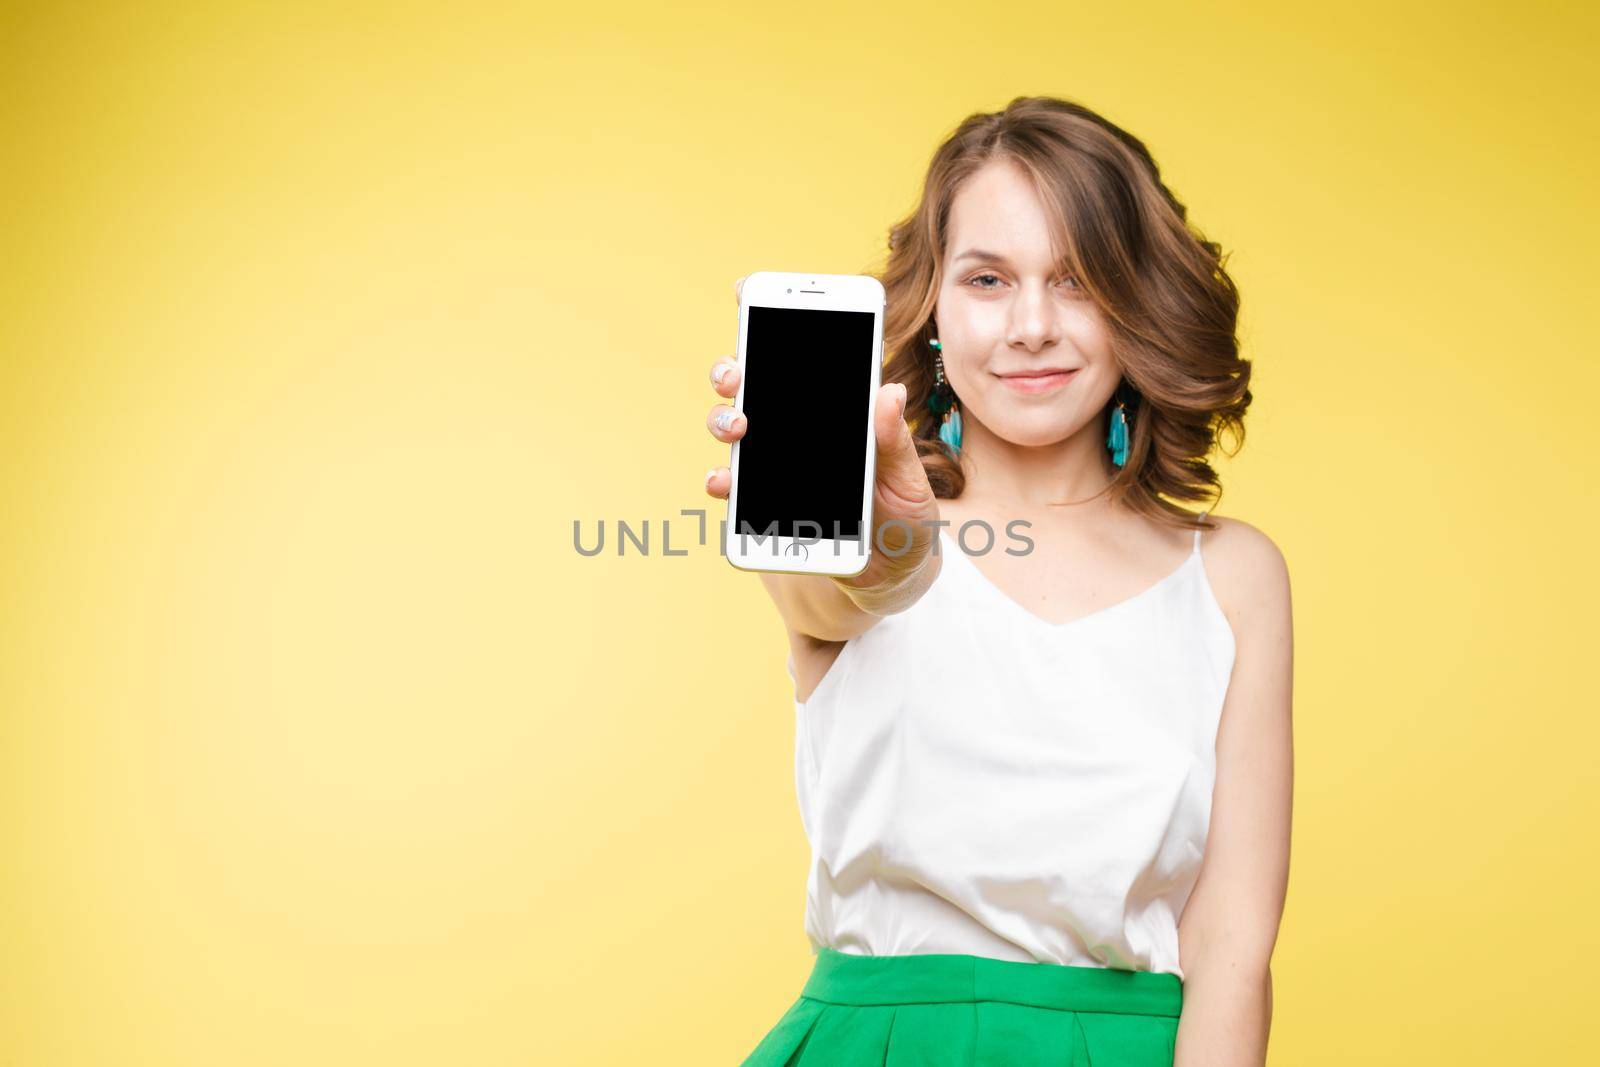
(1230, 925)
(832, 609)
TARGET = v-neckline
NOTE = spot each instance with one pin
(954, 549)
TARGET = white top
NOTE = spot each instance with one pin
(975, 779)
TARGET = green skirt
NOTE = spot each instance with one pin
(970, 1011)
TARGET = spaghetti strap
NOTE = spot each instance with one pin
(1197, 533)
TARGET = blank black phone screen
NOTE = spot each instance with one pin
(808, 407)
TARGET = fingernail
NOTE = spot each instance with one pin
(725, 420)
(710, 474)
(900, 404)
(719, 372)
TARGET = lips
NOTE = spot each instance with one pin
(1040, 381)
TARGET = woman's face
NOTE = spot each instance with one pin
(1004, 321)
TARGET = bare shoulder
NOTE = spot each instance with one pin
(1248, 574)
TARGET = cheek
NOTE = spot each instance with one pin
(1089, 334)
(964, 314)
(1101, 378)
(1099, 389)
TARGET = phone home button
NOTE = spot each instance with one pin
(797, 550)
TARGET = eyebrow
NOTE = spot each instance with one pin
(984, 256)
(981, 255)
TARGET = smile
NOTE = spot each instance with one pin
(1038, 383)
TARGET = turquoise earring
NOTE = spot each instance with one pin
(942, 402)
(1117, 440)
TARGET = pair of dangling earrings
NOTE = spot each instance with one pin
(942, 403)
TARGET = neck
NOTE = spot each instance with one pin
(1005, 476)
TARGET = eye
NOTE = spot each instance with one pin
(1072, 282)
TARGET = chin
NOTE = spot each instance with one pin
(1032, 435)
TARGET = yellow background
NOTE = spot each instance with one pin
(321, 744)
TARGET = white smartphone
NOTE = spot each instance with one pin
(810, 359)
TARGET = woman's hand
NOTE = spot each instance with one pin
(901, 493)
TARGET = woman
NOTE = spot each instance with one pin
(1043, 755)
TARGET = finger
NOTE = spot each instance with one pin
(889, 423)
(899, 469)
(725, 423)
(728, 383)
(718, 481)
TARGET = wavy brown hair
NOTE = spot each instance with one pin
(1170, 305)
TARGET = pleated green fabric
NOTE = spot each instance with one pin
(948, 1010)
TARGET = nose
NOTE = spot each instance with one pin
(1033, 322)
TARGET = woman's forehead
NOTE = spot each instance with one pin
(997, 213)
